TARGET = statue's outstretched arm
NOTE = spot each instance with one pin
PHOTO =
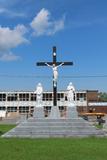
(48, 65)
(60, 64)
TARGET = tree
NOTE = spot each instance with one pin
(103, 96)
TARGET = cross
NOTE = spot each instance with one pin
(54, 65)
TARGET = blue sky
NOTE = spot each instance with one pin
(28, 31)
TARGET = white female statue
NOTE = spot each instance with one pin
(55, 71)
(70, 92)
(39, 94)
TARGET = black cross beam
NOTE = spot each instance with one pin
(56, 64)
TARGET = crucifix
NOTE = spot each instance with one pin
(54, 65)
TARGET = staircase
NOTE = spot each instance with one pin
(46, 128)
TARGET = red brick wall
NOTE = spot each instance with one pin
(92, 96)
(98, 109)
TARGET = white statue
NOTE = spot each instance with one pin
(55, 71)
(70, 92)
(39, 94)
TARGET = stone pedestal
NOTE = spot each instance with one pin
(38, 113)
(71, 111)
(54, 114)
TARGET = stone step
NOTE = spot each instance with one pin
(24, 132)
(55, 120)
(55, 124)
(52, 134)
(68, 131)
(42, 128)
(36, 128)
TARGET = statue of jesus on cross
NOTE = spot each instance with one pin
(54, 65)
(55, 71)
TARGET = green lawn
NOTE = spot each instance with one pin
(5, 127)
(53, 149)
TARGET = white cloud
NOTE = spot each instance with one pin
(10, 13)
(9, 57)
(43, 25)
(10, 39)
(2, 10)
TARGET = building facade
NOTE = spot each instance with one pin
(15, 103)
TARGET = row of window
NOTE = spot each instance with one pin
(26, 109)
(32, 97)
(22, 109)
(28, 97)
(16, 97)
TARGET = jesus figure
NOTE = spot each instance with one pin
(55, 71)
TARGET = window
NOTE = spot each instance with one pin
(43, 97)
(33, 97)
(60, 96)
(84, 96)
(81, 96)
(23, 97)
(2, 97)
(11, 109)
(12, 97)
(31, 108)
(23, 109)
(47, 110)
(65, 98)
(50, 97)
(62, 110)
(3, 108)
(77, 96)
(47, 97)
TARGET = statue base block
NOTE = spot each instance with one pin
(38, 113)
(55, 114)
(72, 111)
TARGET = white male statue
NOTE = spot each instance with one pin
(70, 92)
(55, 71)
(39, 94)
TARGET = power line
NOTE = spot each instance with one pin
(44, 76)
(23, 76)
(86, 76)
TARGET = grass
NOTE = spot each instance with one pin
(91, 148)
(99, 126)
(4, 128)
(53, 149)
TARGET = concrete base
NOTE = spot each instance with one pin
(46, 128)
(38, 113)
(54, 125)
(54, 114)
(72, 112)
